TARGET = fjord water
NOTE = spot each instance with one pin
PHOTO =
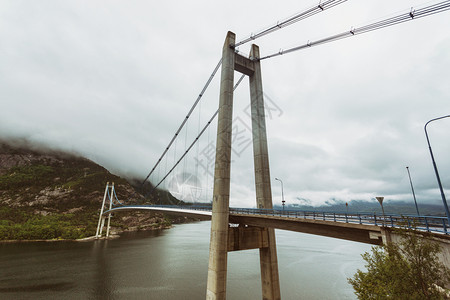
(173, 264)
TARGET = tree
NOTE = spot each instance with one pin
(409, 269)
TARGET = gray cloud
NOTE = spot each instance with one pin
(114, 81)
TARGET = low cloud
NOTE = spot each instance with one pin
(113, 82)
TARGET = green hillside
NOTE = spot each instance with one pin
(53, 195)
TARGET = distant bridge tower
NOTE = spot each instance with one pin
(223, 237)
(109, 194)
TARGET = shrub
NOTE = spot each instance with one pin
(407, 270)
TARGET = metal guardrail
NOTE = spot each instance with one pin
(426, 223)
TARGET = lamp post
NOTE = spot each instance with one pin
(436, 170)
(282, 192)
(380, 199)
(412, 188)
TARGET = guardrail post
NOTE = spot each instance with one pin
(445, 227)
(426, 223)
(392, 222)
(346, 218)
(375, 218)
(323, 215)
(360, 221)
(334, 216)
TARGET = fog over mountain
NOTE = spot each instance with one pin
(113, 81)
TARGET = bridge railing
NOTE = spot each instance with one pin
(425, 223)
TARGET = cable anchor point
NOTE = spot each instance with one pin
(320, 5)
(411, 13)
(352, 31)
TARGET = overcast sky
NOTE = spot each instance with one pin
(112, 80)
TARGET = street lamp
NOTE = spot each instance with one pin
(380, 199)
(412, 188)
(282, 192)
(436, 170)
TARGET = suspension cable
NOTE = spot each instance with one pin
(413, 14)
(115, 196)
(196, 139)
(300, 16)
(289, 21)
(185, 119)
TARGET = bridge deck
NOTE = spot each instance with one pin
(364, 228)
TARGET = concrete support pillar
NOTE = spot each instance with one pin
(102, 225)
(217, 268)
(268, 255)
(98, 234)
(110, 206)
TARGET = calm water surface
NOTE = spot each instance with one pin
(173, 264)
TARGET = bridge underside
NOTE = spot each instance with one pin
(362, 233)
(368, 234)
(197, 214)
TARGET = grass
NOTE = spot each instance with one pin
(19, 224)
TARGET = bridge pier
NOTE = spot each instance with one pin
(224, 238)
(217, 267)
(267, 255)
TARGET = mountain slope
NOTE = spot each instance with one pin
(46, 194)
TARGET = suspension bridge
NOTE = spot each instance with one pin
(235, 229)
(340, 225)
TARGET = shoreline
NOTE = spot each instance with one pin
(114, 235)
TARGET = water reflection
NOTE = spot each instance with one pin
(57, 286)
(101, 288)
(172, 264)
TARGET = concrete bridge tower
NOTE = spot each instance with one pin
(223, 237)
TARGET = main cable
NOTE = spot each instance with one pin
(298, 17)
(413, 14)
(185, 119)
